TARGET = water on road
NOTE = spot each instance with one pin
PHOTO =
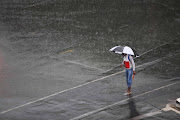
(55, 61)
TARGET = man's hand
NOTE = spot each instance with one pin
(122, 66)
(134, 73)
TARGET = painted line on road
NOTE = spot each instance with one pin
(155, 48)
(84, 65)
(117, 103)
(66, 51)
(87, 66)
(149, 63)
(146, 115)
(33, 5)
(167, 108)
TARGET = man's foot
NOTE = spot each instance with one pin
(127, 93)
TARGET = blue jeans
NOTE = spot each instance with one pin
(129, 74)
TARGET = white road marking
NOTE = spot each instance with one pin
(33, 5)
(117, 103)
(168, 108)
(87, 66)
(149, 63)
(155, 48)
(146, 115)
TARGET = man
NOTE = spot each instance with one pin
(128, 63)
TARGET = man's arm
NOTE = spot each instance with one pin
(133, 64)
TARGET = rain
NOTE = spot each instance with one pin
(55, 62)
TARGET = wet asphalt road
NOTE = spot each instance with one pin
(55, 63)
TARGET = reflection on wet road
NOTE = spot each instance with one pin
(132, 107)
(55, 61)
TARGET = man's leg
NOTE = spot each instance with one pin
(127, 77)
(130, 74)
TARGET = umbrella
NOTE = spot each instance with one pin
(124, 49)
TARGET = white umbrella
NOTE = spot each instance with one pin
(128, 50)
(122, 49)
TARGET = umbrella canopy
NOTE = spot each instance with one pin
(124, 49)
(128, 50)
(117, 49)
